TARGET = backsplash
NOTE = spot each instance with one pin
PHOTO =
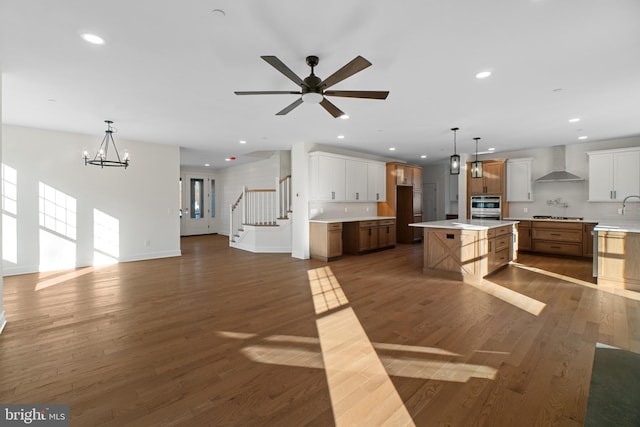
(569, 199)
(319, 210)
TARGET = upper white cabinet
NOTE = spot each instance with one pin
(328, 177)
(356, 182)
(614, 174)
(344, 179)
(519, 180)
(376, 182)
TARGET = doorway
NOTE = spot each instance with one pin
(430, 207)
(197, 204)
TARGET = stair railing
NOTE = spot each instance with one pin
(283, 196)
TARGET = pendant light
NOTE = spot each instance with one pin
(476, 167)
(102, 155)
(454, 161)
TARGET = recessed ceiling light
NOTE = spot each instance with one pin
(92, 38)
(575, 120)
(392, 148)
(243, 142)
(340, 136)
(483, 74)
(207, 164)
(344, 116)
(424, 156)
(491, 149)
(227, 159)
(558, 89)
(583, 137)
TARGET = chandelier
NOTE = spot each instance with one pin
(102, 155)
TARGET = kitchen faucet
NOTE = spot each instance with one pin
(624, 202)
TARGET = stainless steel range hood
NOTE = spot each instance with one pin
(559, 172)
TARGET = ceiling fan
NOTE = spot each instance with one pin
(313, 89)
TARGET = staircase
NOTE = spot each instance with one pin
(260, 219)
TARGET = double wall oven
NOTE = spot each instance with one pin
(486, 207)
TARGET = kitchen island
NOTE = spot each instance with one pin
(467, 250)
(618, 254)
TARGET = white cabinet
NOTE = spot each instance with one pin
(328, 174)
(613, 174)
(519, 180)
(376, 182)
(356, 182)
(343, 179)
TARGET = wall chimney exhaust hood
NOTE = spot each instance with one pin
(559, 172)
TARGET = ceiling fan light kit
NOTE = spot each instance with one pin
(313, 90)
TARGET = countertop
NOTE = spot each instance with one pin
(353, 219)
(464, 224)
(627, 225)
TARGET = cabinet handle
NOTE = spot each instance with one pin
(357, 196)
(556, 234)
(529, 196)
(615, 194)
(333, 195)
(369, 232)
(489, 245)
(377, 196)
(554, 247)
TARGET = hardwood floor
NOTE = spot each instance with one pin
(225, 337)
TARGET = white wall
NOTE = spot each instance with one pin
(142, 200)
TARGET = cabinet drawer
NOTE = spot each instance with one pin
(562, 248)
(501, 231)
(557, 235)
(387, 222)
(502, 242)
(501, 257)
(558, 224)
(334, 226)
(365, 224)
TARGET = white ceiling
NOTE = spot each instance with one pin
(169, 68)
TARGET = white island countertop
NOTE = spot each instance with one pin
(464, 224)
(622, 225)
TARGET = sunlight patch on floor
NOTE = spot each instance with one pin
(615, 291)
(43, 284)
(514, 298)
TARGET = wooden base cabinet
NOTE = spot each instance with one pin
(618, 264)
(364, 236)
(524, 236)
(325, 240)
(557, 237)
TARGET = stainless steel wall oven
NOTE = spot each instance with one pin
(486, 207)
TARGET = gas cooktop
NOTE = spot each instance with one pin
(567, 218)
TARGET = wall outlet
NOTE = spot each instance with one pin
(346, 209)
(147, 242)
(367, 209)
(620, 211)
(525, 210)
(321, 210)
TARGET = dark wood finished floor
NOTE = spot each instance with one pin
(229, 338)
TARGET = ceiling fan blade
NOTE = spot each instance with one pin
(332, 109)
(357, 64)
(268, 92)
(279, 65)
(370, 94)
(290, 107)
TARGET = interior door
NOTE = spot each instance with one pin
(430, 193)
(198, 205)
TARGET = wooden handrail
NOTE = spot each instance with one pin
(284, 179)
(261, 190)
